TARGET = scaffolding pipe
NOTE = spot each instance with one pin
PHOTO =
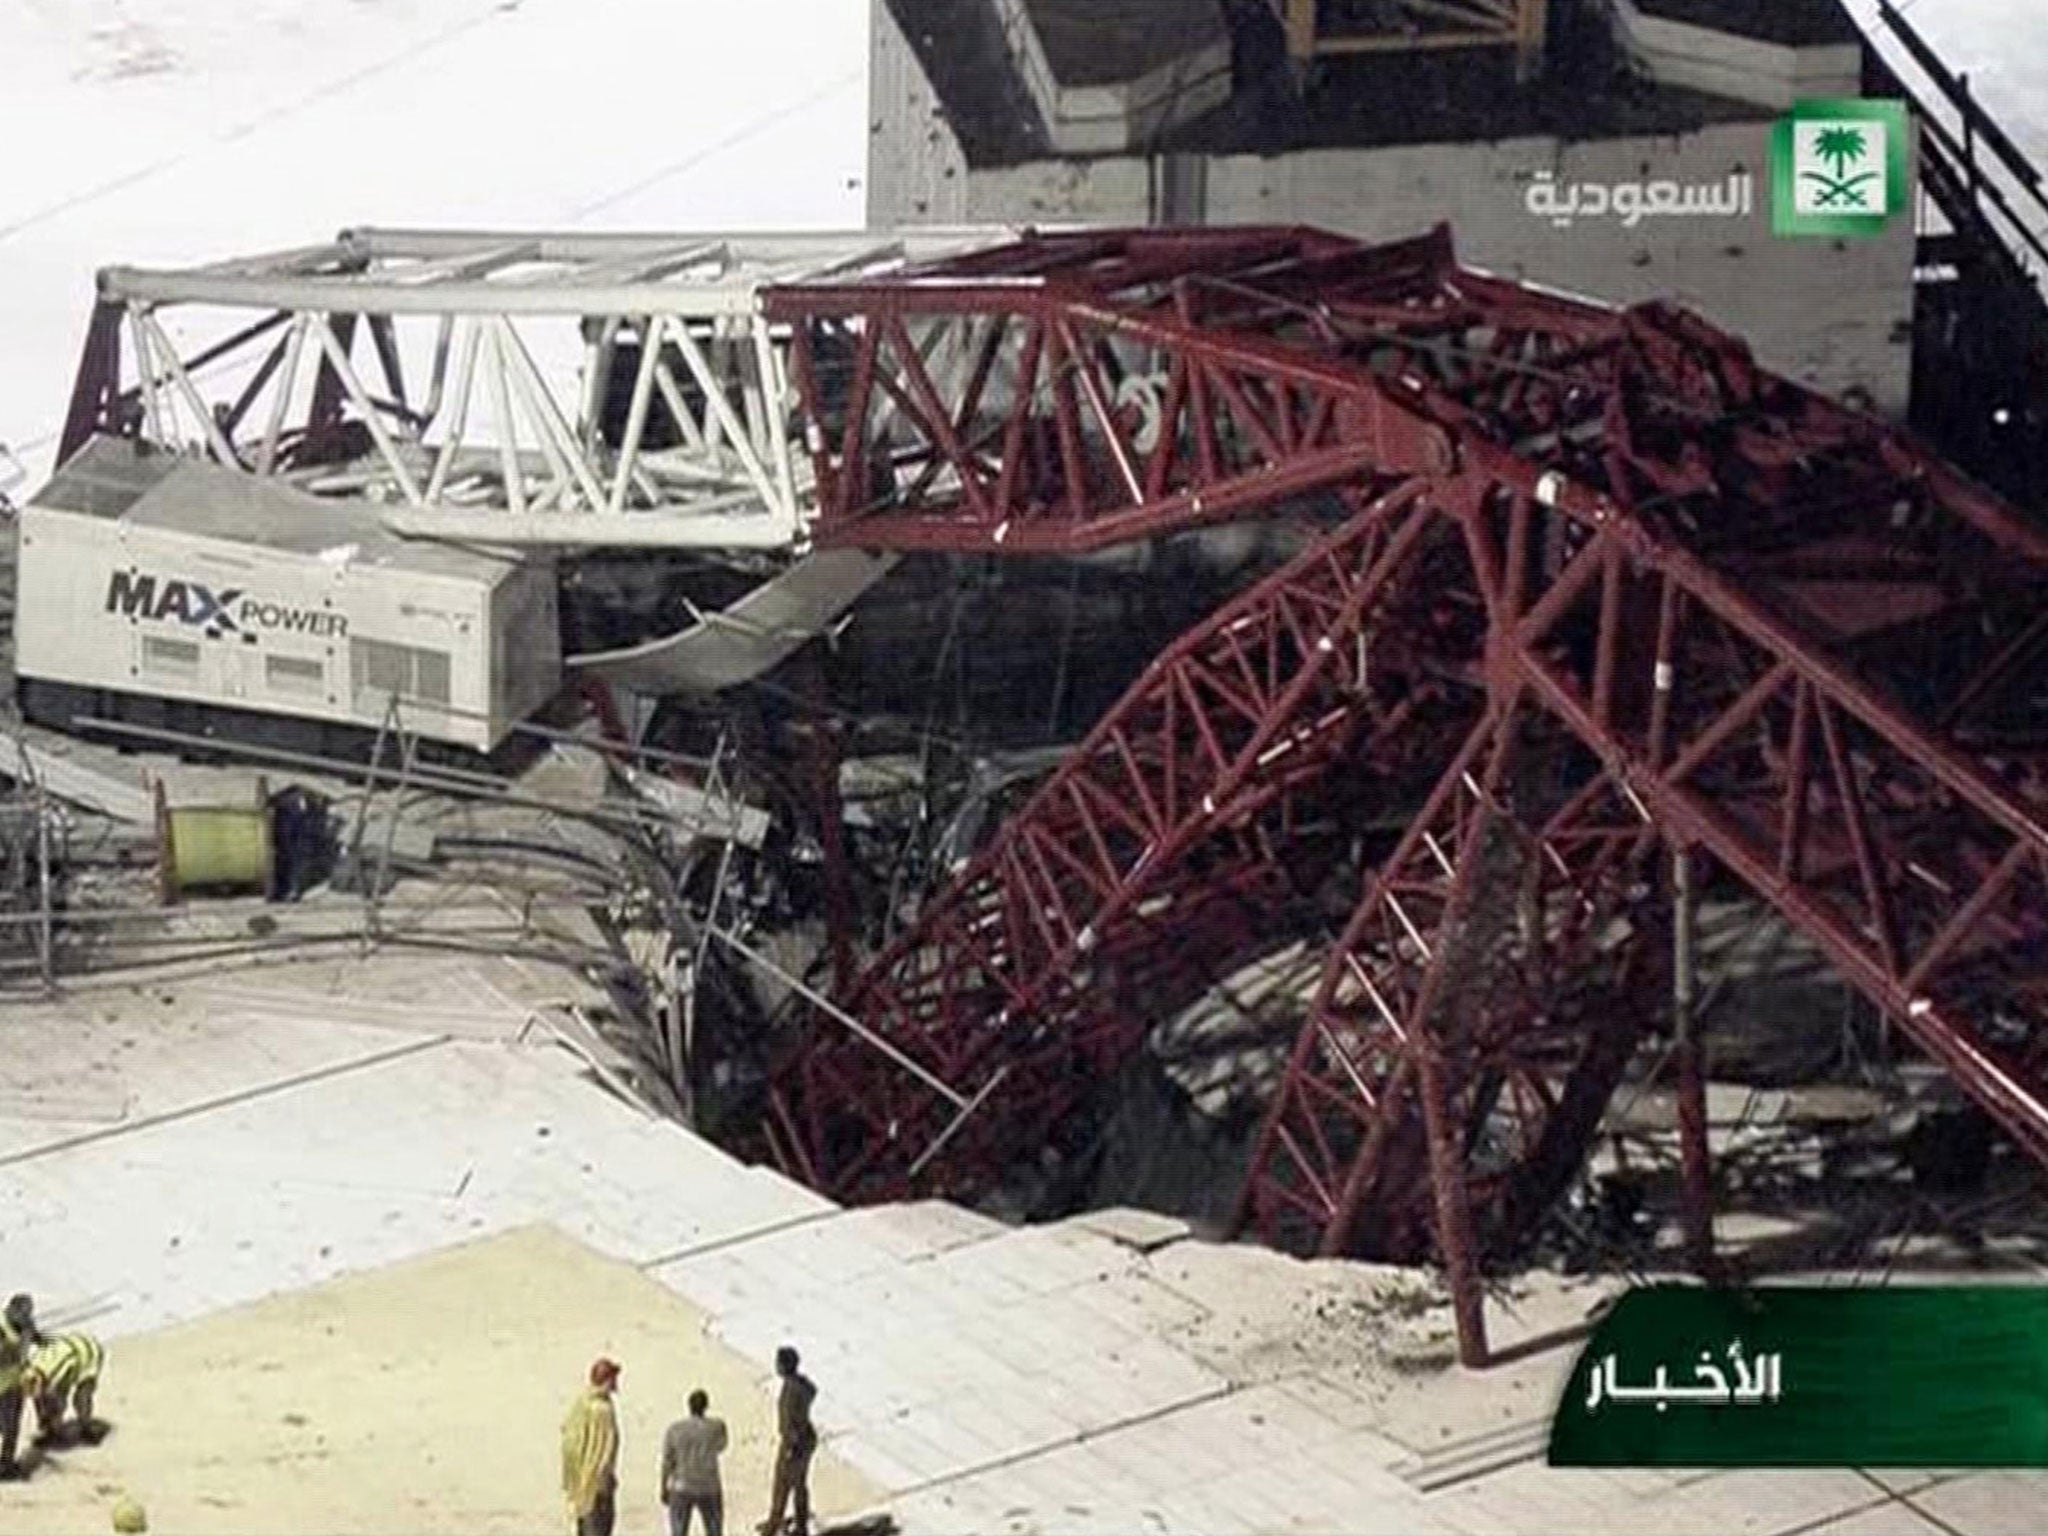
(1694, 1150)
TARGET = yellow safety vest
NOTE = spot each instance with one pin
(590, 1450)
(70, 1360)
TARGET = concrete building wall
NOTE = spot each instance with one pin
(1742, 68)
(1833, 314)
(917, 173)
(1830, 313)
(1100, 117)
(1116, 190)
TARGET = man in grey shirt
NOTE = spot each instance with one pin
(689, 1470)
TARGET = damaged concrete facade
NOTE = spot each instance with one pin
(963, 129)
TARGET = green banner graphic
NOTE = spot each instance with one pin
(1840, 167)
(1805, 1376)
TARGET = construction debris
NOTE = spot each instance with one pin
(1044, 844)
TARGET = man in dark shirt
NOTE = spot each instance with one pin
(796, 1439)
(19, 1337)
(689, 1470)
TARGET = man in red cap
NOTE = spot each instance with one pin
(590, 1453)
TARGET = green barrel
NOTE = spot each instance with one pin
(217, 848)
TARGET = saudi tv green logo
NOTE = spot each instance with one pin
(1838, 167)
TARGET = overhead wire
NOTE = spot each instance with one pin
(753, 128)
(241, 130)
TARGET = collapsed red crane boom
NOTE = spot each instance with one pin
(1593, 575)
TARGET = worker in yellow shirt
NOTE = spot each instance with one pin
(64, 1372)
(590, 1453)
(18, 1336)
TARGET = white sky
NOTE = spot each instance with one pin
(2001, 44)
(153, 132)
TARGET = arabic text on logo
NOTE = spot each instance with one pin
(1631, 202)
(1760, 1380)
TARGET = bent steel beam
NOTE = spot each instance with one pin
(1068, 393)
(1723, 612)
(1187, 795)
(496, 387)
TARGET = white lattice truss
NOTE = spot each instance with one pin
(513, 340)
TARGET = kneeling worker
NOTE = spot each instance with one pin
(64, 1372)
(18, 1336)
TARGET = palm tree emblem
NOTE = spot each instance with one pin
(1839, 148)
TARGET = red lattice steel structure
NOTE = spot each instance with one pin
(1591, 587)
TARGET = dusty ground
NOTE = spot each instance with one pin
(422, 1399)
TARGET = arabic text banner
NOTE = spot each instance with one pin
(1800, 1376)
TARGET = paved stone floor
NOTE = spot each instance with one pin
(170, 1150)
